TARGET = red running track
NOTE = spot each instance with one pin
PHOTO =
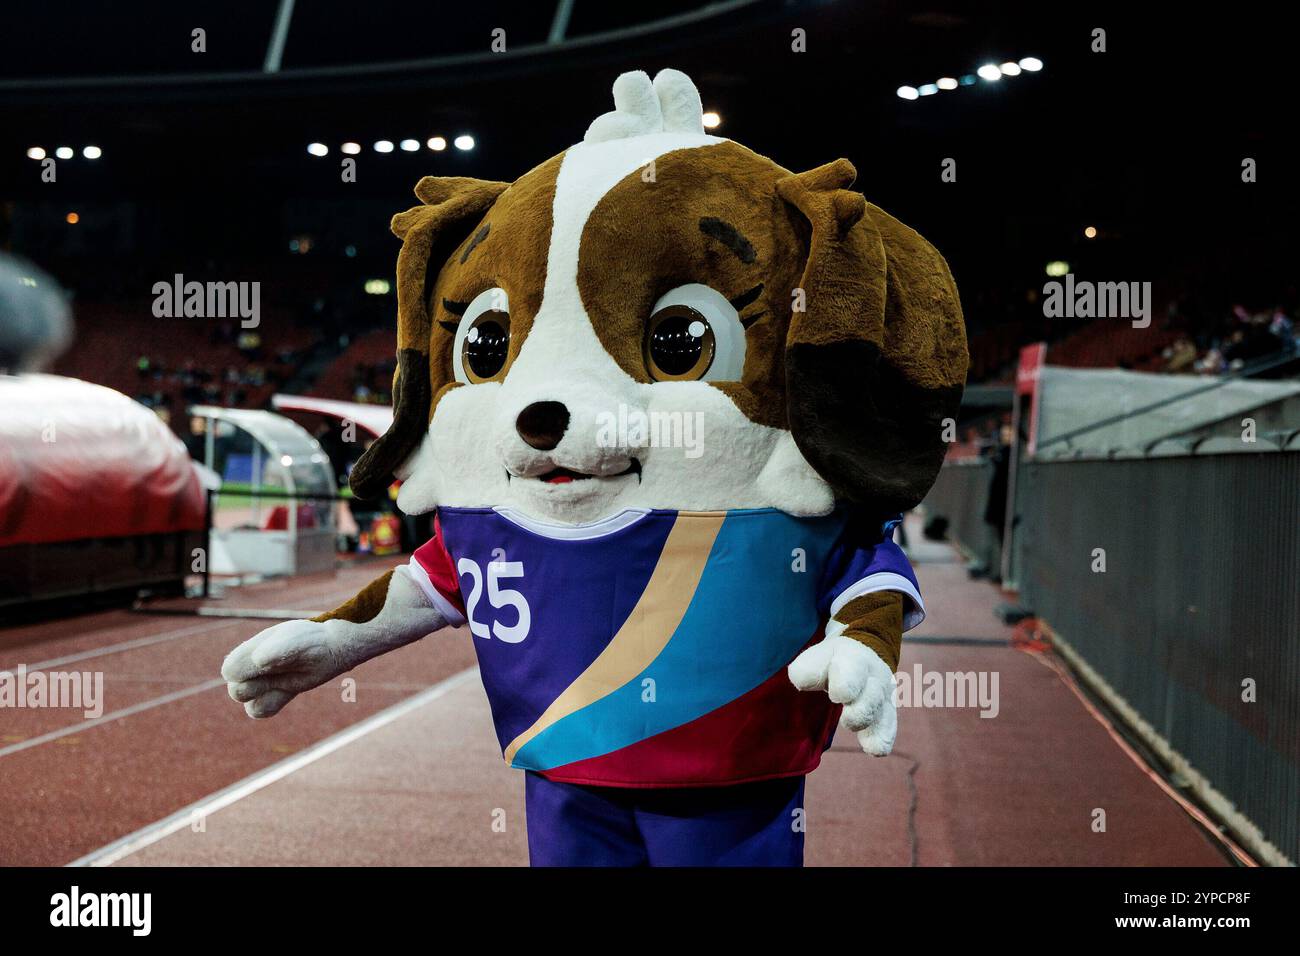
(427, 786)
(69, 785)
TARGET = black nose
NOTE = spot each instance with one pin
(542, 424)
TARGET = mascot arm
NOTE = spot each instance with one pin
(270, 669)
(876, 620)
(855, 665)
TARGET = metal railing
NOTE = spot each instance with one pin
(1195, 619)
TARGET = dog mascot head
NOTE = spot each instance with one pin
(660, 318)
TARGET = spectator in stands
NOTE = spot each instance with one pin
(1283, 329)
(372, 382)
(1252, 342)
(1181, 356)
(250, 344)
(1211, 363)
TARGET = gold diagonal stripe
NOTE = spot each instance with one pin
(647, 629)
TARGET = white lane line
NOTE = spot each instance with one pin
(114, 715)
(127, 645)
(154, 832)
(146, 641)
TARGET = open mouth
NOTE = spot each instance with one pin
(562, 476)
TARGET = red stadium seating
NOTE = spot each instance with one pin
(375, 348)
(1107, 343)
(111, 338)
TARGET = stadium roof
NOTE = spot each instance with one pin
(1116, 139)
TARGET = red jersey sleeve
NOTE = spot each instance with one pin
(435, 572)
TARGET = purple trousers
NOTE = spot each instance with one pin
(752, 824)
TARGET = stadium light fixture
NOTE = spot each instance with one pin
(410, 145)
(990, 72)
(350, 149)
(35, 152)
(318, 149)
(436, 143)
(1057, 268)
(377, 286)
(64, 152)
(384, 146)
(464, 142)
(92, 152)
(711, 120)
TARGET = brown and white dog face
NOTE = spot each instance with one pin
(658, 318)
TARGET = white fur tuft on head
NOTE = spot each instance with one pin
(670, 104)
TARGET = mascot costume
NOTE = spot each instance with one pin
(666, 401)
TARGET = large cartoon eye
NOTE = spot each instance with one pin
(480, 352)
(694, 334)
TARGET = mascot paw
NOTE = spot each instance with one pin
(853, 675)
(266, 671)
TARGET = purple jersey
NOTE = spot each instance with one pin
(649, 649)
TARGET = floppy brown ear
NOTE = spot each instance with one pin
(877, 360)
(429, 233)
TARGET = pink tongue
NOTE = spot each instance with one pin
(559, 480)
